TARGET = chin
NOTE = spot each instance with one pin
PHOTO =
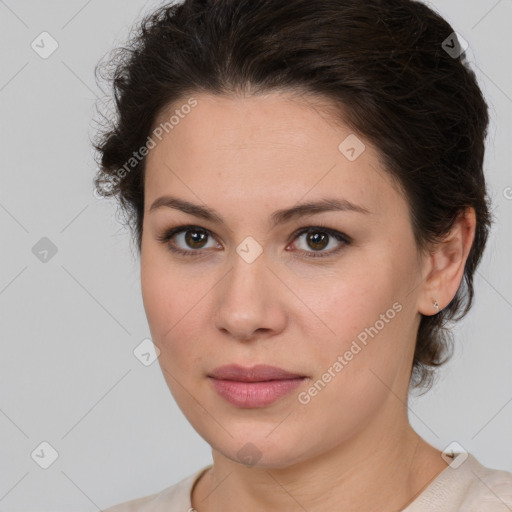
(261, 452)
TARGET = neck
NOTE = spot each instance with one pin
(379, 469)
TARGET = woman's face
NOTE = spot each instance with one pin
(252, 289)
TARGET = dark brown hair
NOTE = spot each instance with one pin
(392, 68)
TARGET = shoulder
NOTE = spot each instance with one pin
(176, 496)
(490, 490)
(466, 486)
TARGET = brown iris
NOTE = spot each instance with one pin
(318, 239)
(195, 238)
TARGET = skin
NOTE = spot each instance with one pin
(351, 447)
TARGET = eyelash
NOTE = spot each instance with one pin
(340, 237)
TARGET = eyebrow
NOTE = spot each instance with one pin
(278, 217)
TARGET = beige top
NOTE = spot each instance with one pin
(462, 486)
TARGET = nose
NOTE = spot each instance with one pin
(250, 301)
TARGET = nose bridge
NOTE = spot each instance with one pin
(245, 301)
(247, 277)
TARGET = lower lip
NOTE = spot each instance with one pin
(254, 394)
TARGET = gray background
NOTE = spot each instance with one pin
(68, 326)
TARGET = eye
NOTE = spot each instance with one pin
(193, 239)
(318, 238)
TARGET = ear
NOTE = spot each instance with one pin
(443, 268)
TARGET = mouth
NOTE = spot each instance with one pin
(254, 387)
(257, 373)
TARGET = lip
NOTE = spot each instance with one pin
(257, 386)
(256, 373)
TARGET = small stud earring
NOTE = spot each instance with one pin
(436, 305)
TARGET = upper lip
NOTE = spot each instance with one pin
(257, 373)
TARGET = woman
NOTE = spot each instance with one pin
(304, 182)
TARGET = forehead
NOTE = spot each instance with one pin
(265, 123)
(267, 148)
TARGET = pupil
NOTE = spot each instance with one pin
(192, 240)
(318, 240)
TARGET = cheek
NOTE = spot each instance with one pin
(155, 296)
(174, 309)
(363, 320)
(352, 301)
(164, 294)
(356, 366)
